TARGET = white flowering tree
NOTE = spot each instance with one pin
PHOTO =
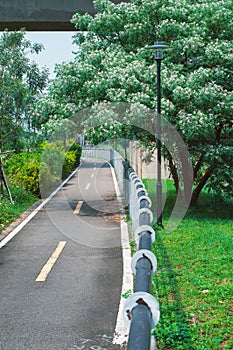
(112, 66)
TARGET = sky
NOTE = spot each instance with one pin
(58, 48)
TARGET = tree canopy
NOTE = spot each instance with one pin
(112, 65)
(21, 84)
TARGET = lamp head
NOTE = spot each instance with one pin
(158, 47)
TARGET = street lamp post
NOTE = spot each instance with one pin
(158, 54)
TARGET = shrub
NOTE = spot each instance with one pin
(54, 158)
(72, 159)
(47, 179)
(69, 163)
(42, 171)
(23, 169)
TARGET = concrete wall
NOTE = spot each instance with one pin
(42, 15)
(146, 171)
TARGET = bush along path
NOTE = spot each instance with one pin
(193, 282)
(30, 172)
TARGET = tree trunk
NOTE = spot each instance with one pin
(174, 175)
(198, 166)
(187, 173)
(201, 184)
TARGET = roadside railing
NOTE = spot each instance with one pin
(95, 152)
(141, 309)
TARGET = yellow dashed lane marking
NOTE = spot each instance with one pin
(50, 263)
(87, 186)
(78, 207)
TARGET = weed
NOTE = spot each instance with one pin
(127, 294)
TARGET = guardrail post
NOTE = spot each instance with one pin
(143, 276)
(140, 334)
(126, 184)
(112, 157)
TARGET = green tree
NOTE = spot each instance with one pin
(112, 65)
(21, 84)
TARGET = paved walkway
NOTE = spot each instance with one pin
(61, 276)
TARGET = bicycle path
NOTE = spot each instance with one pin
(61, 276)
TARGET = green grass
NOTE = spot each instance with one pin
(8, 211)
(194, 281)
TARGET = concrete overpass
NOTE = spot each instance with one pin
(43, 15)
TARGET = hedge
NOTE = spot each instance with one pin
(40, 172)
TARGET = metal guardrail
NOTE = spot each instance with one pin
(95, 152)
(141, 308)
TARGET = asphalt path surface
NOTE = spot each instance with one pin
(65, 298)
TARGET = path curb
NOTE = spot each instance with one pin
(19, 219)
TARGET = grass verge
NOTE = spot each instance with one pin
(8, 211)
(193, 282)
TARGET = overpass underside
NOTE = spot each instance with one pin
(43, 15)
